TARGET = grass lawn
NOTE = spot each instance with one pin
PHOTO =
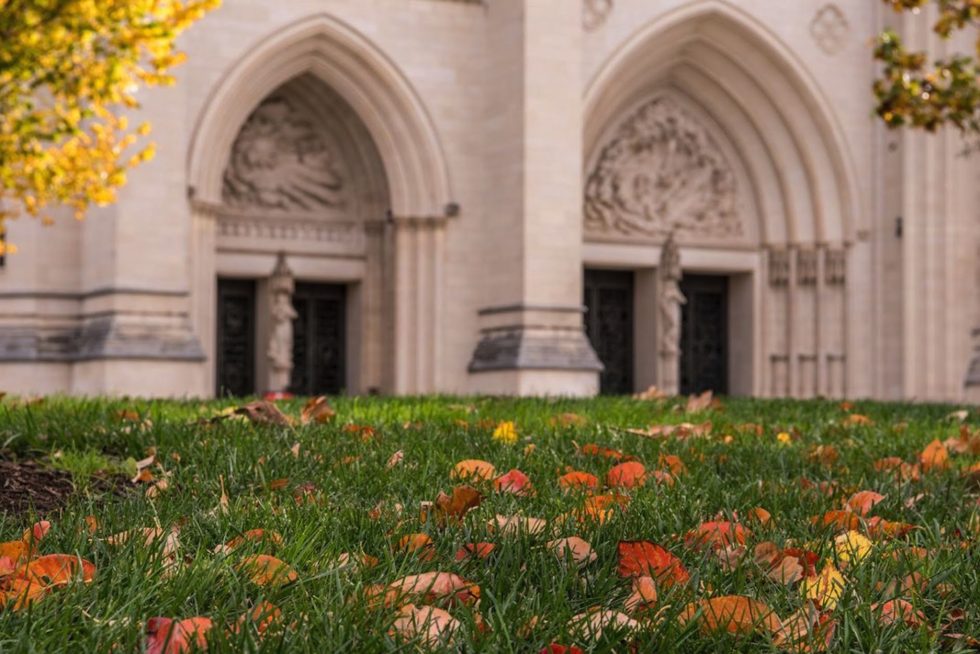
(679, 553)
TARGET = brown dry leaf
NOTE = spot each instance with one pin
(826, 455)
(91, 524)
(644, 595)
(856, 419)
(881, 528)
(903, 471)
(652, 393)
(578, 549)
(934, 457)
(681, 432)
(475, 469)
(463, 500)
(898, 611)
(265, 570)
(594, 622)
(735, 614)
(317, 410)
(787, 570)
(760, 515)
(568, 420)
(395, 459)
(433, 627)
(863, 501)
(295, 450)
(263, 412)
(806, 631)
(514, 524)
(260, 536)
(631, 474)
(157, 487)
(698, 403)
(841, 520)
(143, 473)
(420, 544)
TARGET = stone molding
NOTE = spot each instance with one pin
(534, 347)
(595, 13)
(806, 267)
(830, 29)
(779, 266)
(344, 233)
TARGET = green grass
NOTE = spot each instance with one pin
(522, 579)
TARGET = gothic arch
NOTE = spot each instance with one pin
(367, 80)
(755, 88)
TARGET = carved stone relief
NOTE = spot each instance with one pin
(830, 29)
(595, 13)
(280, 161)
(835, 267)
(806, 267)
(779, 268)
(662, 171)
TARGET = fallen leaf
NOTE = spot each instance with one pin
(698, 403)
(575, 548)
(575, 480)
(453, 507)
(717, 534)
(514, 525)
(262, 616)
(266, 570)
(420, 544)
(735, 614)
(826, 588)
(429, 587)
(934, 457)
(259, 536)
(591, 449)
(56, 570)
(295, 450)
(434, 627)
(644, 595)
(555, 648)
(651, 394)
(630, 474)
(475, 469)
(594, 622)
(898, 611)
(263, 412)
(862, 502)
(852, 547)
(642, 558)
(841, 520)
(474, 551)
(786, 571)
(317, 410)
(568, 420)
(169, 636)
(395, 459)
(514, 482)
(505, 432)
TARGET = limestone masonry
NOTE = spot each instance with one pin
(473, 197)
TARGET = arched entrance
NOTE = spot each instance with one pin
(703, 125)
(316, 147)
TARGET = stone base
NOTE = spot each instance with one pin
(140, 378)
(537, 383)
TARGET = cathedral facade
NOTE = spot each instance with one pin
(558, 197)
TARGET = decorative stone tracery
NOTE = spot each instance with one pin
(281, 161)
(662, 170)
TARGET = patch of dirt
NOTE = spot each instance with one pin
(29, 485)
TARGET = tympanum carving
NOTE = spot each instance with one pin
(281, 161)
(662, 170)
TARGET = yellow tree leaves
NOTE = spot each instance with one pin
(67, 72)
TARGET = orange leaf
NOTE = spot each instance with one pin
(263, 615)
(434, 627)
(22, 593)
(644, 596)
(592, 449)
(417, 543)
(735, 614)
(899, 610)
(578, 480)
(760, 515)
(673, 463)
(254, 536)
(169, 636)
(430, 587)
(881, 528)
(862, 502)
(626, 475)
(641, 558)
(717, 534)
(475, 551)
(265, 570)
(843, 520)
(514, 482)
(579, 550)
(56, 570)
(475, 468)
(463, 500)
(934, 456)
(318, 410)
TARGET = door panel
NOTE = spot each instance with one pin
(235, 352)
(704, 334)
(609, 326)
(319, 339)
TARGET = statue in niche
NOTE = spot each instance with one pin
(281, 161)
(280, 350)
(669, 302)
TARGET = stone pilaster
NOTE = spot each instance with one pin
(532, 337)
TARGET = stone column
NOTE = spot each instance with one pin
(532, 339)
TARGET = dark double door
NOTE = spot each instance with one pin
(319, 339)
(610, 320)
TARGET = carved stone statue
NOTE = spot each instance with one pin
(280, 349)
(669, 302)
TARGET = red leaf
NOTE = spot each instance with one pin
(641, 558)
(717, 534)
(514, 482)
(169, 636)
(627, 475)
